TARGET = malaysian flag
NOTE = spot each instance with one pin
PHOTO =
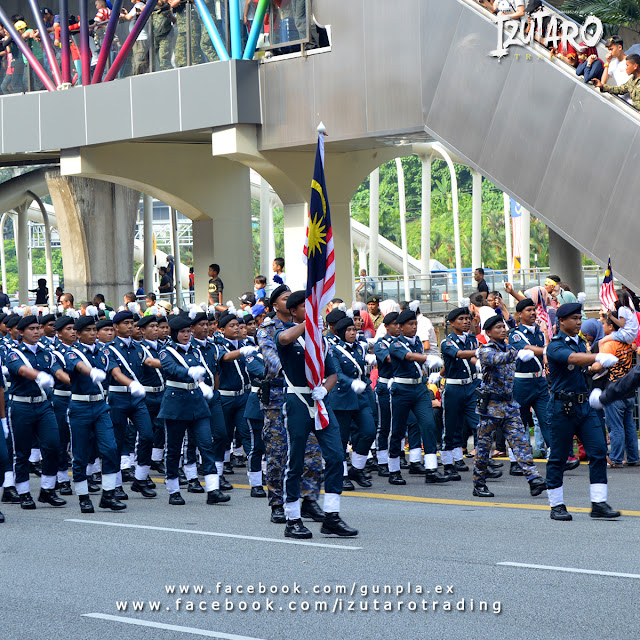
(607, 292)
(543, 315)
(516, 230)
(321, 271)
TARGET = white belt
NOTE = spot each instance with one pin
(535, 374)
(190, 386)
(62, 393)
(408, 380)
(255, 389)
(231, 394)
(85, 398)
(384, 380)
(295, 390)
(114, 389)
(459, 380)
(28, 399)
(154, 389)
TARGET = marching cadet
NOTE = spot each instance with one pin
(409, 393)
(301, 406)
(333, 317)
(274, 433)
(184, 409)
(13, 335)
(497, 407)
(571, 414)
(459, 396)
(383, 398)
(106, 332)
(89, 417)
(350, 403)
(48, 327)
(209, 356)
(126, 402)
(153, 382)
(9, 493)
(163, 330)
(32, 370)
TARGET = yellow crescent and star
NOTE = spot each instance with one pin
(317, 229)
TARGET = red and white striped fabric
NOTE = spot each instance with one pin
(608, 296)
(102, 17)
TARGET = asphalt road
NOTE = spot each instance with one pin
(63, 574)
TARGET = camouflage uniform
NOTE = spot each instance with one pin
(498, 368)
(208, 52)
(181, 42)
(632, 87)
(161, 25)
(274, 433)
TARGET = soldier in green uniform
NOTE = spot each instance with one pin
(162, 21)
(181, 11)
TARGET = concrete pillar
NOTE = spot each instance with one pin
(565, 261)
(202, 231)
(362, 259)
(341, 223)
(22, 248)
(147, 231)
(175, 247)
(425, 219)
(374, 221)
(3, 261)
(295, 220)
(266, 222)
(476, 220)
(96, 224)
(525, 244)
(272, 242)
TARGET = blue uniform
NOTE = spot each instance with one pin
(459, 395)
(153, 382)
(255, 419)
(571, 415)
(61, 398)
(31, 414)
(90, 419)
(530, 389)
(383, 398)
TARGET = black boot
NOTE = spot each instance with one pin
(182, 479)
(86, 506)
(120, 494)
(296, 529)
(149, 482)
(49, 496)
(35, 468)
(383, 470)
(416, 469)
(258, 492)
(228, 468)
(559, 512)
(537, 486)
(215, 496)
(140, 486)
(516, 470)
(26, 501)
(239, 462)
(494, 464)
(225, 485)
(459, 465)
(603, 510)
(371, 464)
(482, 491)
(395, 477)
(347, 485)
(176, 499)
(92, 486)
(10, 496)
(570, 465)
(127, 475)
(64, 488)
(450, 473)
(358, 476)
(158, 465)
(194, 486)
(403, 462)
(110, 500)
(277, 514)
(333, 524)
(1, 517)
(433, 476)
(311, 509)
(96, 477)
(493, 473)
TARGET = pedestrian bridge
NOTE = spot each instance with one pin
(393, 77)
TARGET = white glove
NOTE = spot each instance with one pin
(196, 373)
(247, 351)
(434, 361)
(594, 399)
(207, 391)
(319, 393)
(137, 390)
(371, 340)
(370, 358)
(434, 378)
(45, 380)
(582, 297)
(478, 366)
(606, 359)
(97, 375)
(525, 355)
(5, 427)
(358, 386)
(5, 371)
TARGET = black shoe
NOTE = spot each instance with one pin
(494, 464)
(277, 514)
(433, 476)
(371, 464)
(416, 469)
(228, 468)
(96, 477)
(127, 475)
(215, 496)
(358, 476)
(395, 477)
(493, 473)
(570, 465)
(459, 465)
(311, 509)
(225, 485)
(296, 529)
(451, 474)
(176, 498)
(1, 517)
(347, 485)
(119, 494)
(239, 462)
(150, 483)
(64, 488)
(482, 491)
(86, 506)
(403, 463)
(158, 466)
(49, 496)
(603, 510)
(516, 470)
(559, 512)
(110, 500)
(182, 479)
(26, 501)
(194, 486)
(537, 486)
(10, 495)
(35, 468)
(92, 486)
(139, 486)
(258, 492)
(333, 524)
(383, 470)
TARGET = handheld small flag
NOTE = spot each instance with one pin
(607, 291)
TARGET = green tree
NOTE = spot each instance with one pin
(614, 13)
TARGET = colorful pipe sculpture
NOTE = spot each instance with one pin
(47, 45)
(65, 47)
(105, 50)
(256, 28)
(212, 30)
(85, 48)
